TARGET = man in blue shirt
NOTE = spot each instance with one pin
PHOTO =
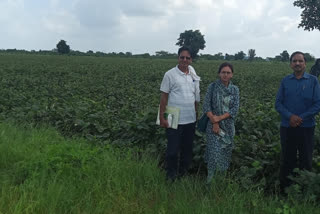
(298, 101)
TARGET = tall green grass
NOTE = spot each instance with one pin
(42, 172)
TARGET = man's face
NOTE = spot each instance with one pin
(184, 59)
(297, 63)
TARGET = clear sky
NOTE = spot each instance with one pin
(147, 26)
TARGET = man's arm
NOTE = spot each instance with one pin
(197, 97)
(163, 105)
(283, 111)
(294, 120)
(196, 109)
(315, 108)
(232, 111)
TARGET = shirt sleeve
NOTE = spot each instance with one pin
(235, 105)
(208, 100)
(197, 91)
(165, 84)
(283, 111)
(315, 108)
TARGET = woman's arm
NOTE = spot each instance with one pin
(217, 119)
(207, 107)
(234, 108)
(232, 111)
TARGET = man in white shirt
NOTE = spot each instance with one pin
(180, 88)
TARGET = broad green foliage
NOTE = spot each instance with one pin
(62, 47)
(116, 100)
(310, 16)
(192, 39)
(240, 55)
(284, 56)
(251, 54)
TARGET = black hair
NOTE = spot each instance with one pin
(184, 48)
(295, 53)
(225, 64)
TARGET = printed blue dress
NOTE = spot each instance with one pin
(219, 100)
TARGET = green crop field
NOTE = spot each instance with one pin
(115, 101)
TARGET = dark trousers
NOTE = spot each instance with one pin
(180, 142)
(293, 140)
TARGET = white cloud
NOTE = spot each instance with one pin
(254, 9)
(61, 22)
(150, 25)
(277, 8)
(230, 4)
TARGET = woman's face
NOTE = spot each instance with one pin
(225, 74)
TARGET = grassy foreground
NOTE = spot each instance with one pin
(42, 172)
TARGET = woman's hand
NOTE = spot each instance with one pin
(216, 128)
(215, 119)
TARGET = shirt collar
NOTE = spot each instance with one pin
(180, 72)
(305, 75)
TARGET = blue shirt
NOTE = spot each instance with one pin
(300, 97)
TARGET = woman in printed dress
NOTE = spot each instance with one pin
(221, 106)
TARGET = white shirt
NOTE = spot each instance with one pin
(184, 91)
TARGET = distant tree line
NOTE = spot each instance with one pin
(251, 56)
(63, 48)
(284, 57)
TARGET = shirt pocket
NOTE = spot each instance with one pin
(307, 95)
